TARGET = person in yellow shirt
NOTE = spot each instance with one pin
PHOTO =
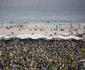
(61, 68)
(5, 68)
(23, 62)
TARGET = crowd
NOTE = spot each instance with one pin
(28, 54)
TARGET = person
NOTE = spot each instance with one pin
(79, 67)
(2, 24)
(70, 67)
(1, 66)
(7, 27)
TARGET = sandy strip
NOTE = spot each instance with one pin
(40, 28)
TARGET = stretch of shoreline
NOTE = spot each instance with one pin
(41, 28)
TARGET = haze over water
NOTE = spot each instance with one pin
(53, 10)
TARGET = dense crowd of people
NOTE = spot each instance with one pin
(28, 54)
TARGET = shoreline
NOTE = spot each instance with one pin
(41, 28)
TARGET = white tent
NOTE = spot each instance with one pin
(67, 37)
(74, 37)
(66, 34)
(37, 36)
(60, 36)
(6, 37)
(24, 36)
(48, 37)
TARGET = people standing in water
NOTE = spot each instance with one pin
(71, 28)
(2, 24)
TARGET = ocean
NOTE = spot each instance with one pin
(42, 10)
(21, 15)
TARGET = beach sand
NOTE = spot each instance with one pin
(41, 28)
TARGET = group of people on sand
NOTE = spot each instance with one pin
(19, 26)
(29, 54)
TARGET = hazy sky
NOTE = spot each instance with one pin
(42, 9)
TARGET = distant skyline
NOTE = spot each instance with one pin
(70, 10)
